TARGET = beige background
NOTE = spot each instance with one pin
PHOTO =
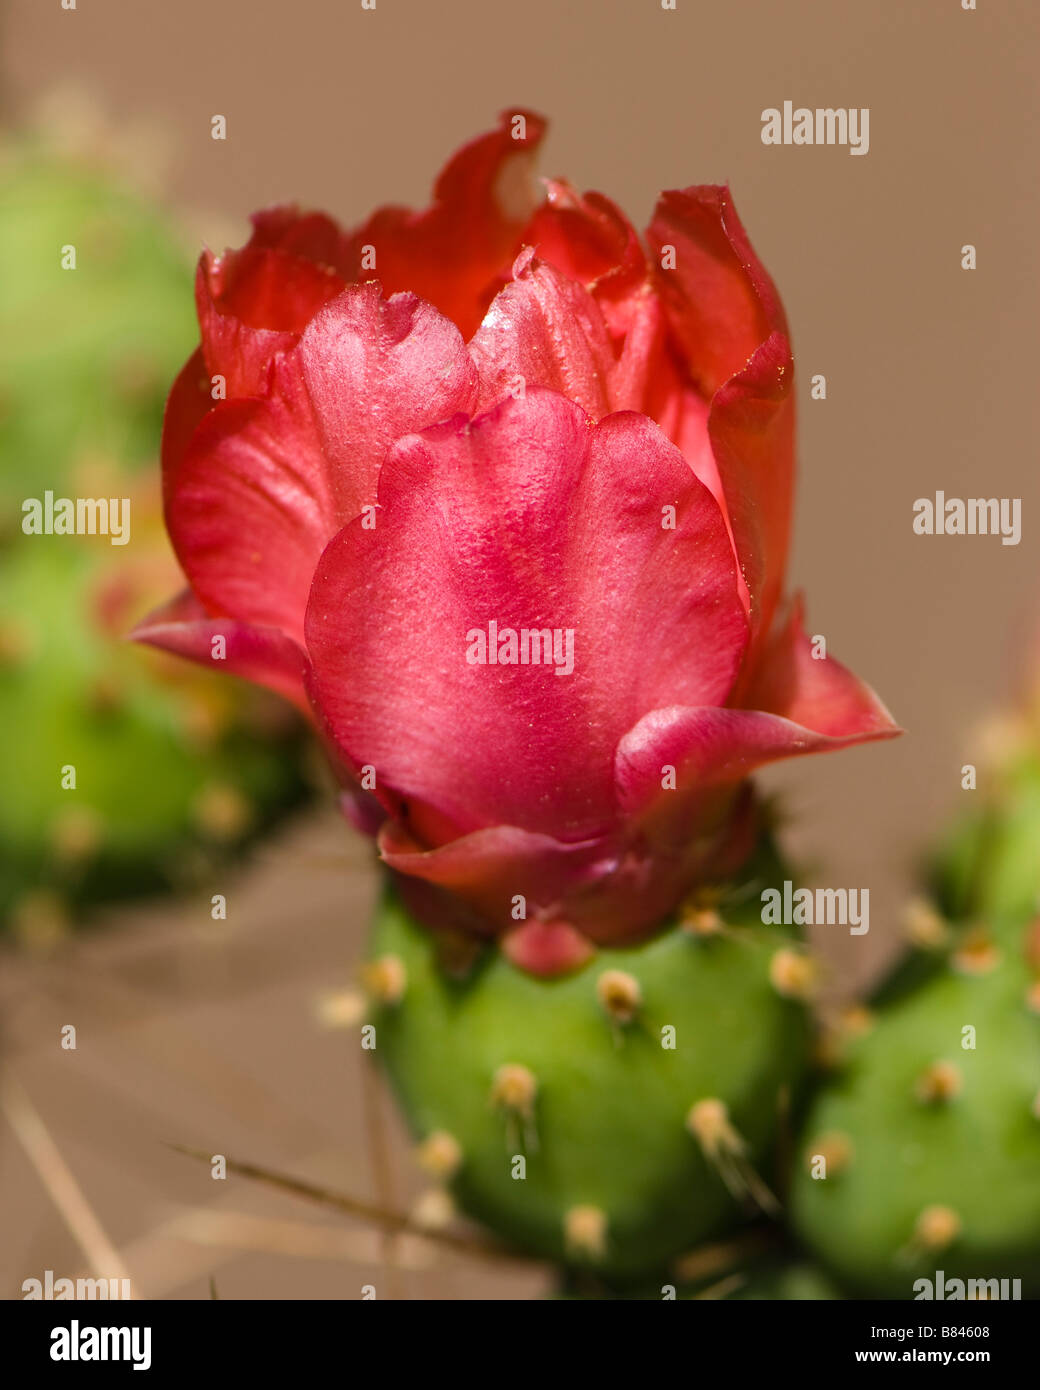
(930, 369)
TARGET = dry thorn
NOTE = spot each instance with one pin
(59, 1182)
(725, 1149)
(708, 1260)
(513, 1090)
(699, 914)
(387, 1220)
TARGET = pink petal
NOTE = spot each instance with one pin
(821, 694)
(684, 416)
(489, 867)
(547, 948)
(530, 518)
(263, 655)
(361, 810)
(544, 330)
(376, 369)
(642, 355)
(264, 484)
(713, 748)
(605, 892)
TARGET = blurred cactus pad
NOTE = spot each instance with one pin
(123, 773)
(87, 355)
(930, 1134)
(922, 1154)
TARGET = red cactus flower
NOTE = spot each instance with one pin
(502, 498)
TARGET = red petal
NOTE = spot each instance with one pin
(729, 323)
(187, 405)
(545, 330)
(252, 304)
(312, 236)
(529, 518)
(376, 369)
(720, 300)
(488, 867)
(256, 301)
(591, 240)
(711, 748)
(751, 426)
(249, 508)
(821, 694)
(264, 484)
(258, 654)
(456, 252)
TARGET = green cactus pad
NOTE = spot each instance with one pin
(171, 775)
(607, 1127)
(990, 869)
(153, 806)
(87, 355)
(940, 1168)
(786, 1282)
(776, 1278)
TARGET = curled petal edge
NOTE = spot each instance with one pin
(264, 655)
